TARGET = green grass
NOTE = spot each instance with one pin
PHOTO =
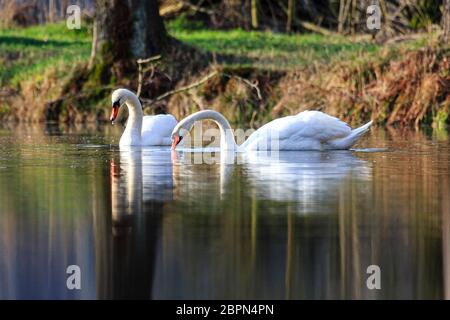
(273, 51)
(29, 52)
(278, 51)
(269, 50)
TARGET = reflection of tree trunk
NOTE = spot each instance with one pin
(342, 242)
(446, 236)
(134, 255)
(357, 279)
(289, 252)
(102, 230)
(253, 229)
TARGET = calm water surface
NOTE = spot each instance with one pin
(145, 223)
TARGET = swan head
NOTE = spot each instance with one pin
(180, 131)
(118, 98)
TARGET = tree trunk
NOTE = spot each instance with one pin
(341, 18)
(127, 30)
(64, 5)
(290, 15)
(254, 9)
(446, 21)
(94, 46)
(353, 19)
(51, 11)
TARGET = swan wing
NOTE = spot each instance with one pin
(306, 130)
(317, 125)
(157, 130)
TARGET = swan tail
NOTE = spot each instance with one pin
(352, 138)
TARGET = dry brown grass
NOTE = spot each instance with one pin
(406, 91)
(409, 90)
(231, 95)
(28, 105)
(31, 103)
(409, 87)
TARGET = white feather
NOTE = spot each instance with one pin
(308, 130)
(143, 130)
(157, 130)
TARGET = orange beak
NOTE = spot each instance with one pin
(175, 141)
(114, 112)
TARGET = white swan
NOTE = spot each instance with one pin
(140, 130)
(308, 130)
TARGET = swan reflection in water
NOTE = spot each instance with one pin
(303, 225)
(309, 178)
(142, 175)
(159, 175)
(141, 184)
(247, 223)
(156, 192)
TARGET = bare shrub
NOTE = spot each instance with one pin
(13, 13)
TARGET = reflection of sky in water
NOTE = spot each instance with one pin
(150, 224)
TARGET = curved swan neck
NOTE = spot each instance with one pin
(133, 129)
(227, 141)
(135, 112)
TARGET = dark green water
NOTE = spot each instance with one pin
(149, 224)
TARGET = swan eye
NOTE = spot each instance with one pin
(176, 139)
(116, 104)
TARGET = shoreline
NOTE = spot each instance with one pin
(405, 85)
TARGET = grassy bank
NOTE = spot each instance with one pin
(269, 51)
(26, 53)
(294, 72)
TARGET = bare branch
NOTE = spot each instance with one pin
(197, 7)
(315, 28)
(253, 85)
(141, 71)
(148, 60)
(149, 102)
